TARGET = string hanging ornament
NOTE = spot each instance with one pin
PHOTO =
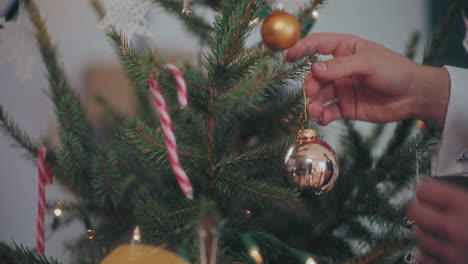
(311, 163)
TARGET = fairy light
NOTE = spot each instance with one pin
(255, 255)
(315, 14)
(311, 261)
(136, 234)
(91, 234)
(58, 209)
(57, 212)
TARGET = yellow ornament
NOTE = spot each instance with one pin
(311, 164)
(280, 30)
(142, 254)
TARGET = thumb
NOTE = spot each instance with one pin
(341, 67)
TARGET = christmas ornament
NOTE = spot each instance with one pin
(182, 97)
(311, 164)
(280, 30)
(142, 254)
(170, 139)
(45, 177)
(186, 11)
(128, 16)
(17, 45)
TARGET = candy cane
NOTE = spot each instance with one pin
(45, 177)
(181, 87)
(169, 136)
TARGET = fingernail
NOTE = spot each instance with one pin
(320, 66)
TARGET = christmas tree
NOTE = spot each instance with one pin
(231, 139)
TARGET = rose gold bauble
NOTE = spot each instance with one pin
(311, 164)
(280, 30)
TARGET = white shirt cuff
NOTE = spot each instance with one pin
(455, 134)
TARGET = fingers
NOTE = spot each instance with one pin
(427, 258)
(338, 68)
(439, 249)
(441, 195)
(427, 217)
(318, 98)
(330, 113)
(324, 43)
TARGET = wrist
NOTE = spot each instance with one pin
(431, 88)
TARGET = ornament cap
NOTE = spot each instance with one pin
(307, 134)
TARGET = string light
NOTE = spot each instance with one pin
(255, 255)
(91, 234)
(136, 234)
(311, 261)
(58, 209)
(315, 14)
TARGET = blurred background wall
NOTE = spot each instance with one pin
(83, 48)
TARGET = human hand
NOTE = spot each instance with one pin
(369, 81)
(441, 217)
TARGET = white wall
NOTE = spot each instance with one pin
(73, 27)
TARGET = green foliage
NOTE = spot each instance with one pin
(235, 185)
(107, 179)
(160, 220)
(14, 253)
(228, 144)
(137, 72)
(196, 25)
(21, 138)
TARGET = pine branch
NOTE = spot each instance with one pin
(98, 8)
(66, 102)
(228, 185)
(195, 24)
(137, 137)
(158, 220)
(73, 163)
(400, 135)
(21, 138)
(263, 156)
(441, 31)
(267, 81)
(379, 253)
(231, 31)
(307, 20)
(375, 134)
(14, 253)
(106, 181)
(136, 72)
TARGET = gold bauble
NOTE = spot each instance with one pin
(311, 164)
(280, 30)
(142, 254)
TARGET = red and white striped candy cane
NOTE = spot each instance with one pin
(181, 86)
(169, 136)
(45, 177)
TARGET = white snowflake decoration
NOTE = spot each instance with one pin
(465, 41)
(128, 16)
(17, 45)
